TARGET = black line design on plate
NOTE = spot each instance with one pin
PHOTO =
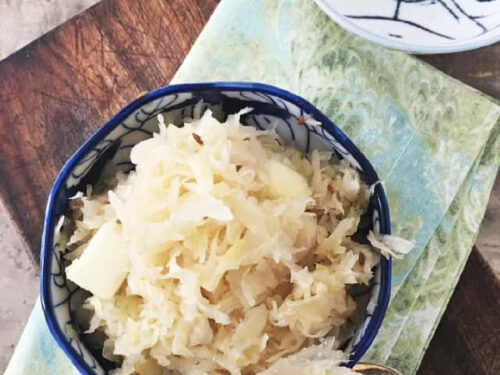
(469, 17)
(396, 12)
(401, 21)
(453, 7)
(445, 6)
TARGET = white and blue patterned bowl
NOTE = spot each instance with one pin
(61, 300)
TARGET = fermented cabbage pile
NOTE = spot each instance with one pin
(223, 252)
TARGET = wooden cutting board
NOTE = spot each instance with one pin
(61, 88)
(58, 90)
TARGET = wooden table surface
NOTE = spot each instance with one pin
(59, 89)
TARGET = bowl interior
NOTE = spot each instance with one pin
(109, 149)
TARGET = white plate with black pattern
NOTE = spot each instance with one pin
(420, 26)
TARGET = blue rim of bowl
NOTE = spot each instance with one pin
(491, 37)
(49, 221)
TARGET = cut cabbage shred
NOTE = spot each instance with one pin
(390, 245)
(320, 359)
(235, 254)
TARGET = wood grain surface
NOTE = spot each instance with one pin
(479, 68)
(467, 341)
(59, 89)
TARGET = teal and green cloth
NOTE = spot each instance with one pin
(433, 141)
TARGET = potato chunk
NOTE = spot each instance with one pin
(104, 264)
(284, 181)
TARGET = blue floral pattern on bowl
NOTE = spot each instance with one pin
(110, 147)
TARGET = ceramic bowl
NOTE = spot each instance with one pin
(110, 147)
(420, 26)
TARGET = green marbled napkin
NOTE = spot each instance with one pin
(430, 138)
(433, 141)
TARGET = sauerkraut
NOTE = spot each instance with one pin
(222, 252)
